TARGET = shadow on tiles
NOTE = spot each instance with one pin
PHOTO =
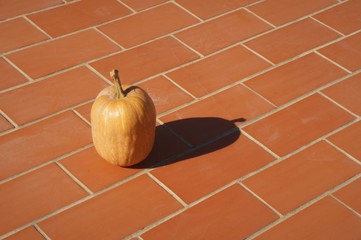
(188, 138)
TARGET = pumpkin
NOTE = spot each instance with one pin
(123, 120)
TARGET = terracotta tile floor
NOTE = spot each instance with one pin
(258, 107)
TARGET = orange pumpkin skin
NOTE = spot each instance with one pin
(123, 127)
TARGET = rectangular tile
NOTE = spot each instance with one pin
(292, 40)
(349, 140)
(325, 219)
(346, 52)
(344, 17)
(9, 76)
(218, 71)
(34, 195)
(38, 143)
(79, 15)
(217, 114)
(13, 8)
(62, 53)
(221, 32)
(50, 95)
(148, 25)
(213, 166)
(165, 94)
(292, 80)
(206, 9)
(93, 171)
(291, 128)
(347, 93)
(279, 12)
(11, 39)
(231, 214)
(351, 195)
(152, 58)
(302, 177)
(116, 213)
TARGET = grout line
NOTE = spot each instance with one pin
(107, 37)
(324, 24)
(337, 104)
(330, 60)
(260, 199)
(261, 18)
(16, 126)
(81, 117)
(343, 151)
(167, 189)
(82, 185)
(258, 94)
(188, 47)
(346, 206)
(188, 11)
(98, 74)
(41, 232)
(260, 144)
(180, 87)
(37, 27)
(259, 55)
(19, 70)
(127, 6)
(46, 163)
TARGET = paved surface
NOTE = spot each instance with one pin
(258, 103)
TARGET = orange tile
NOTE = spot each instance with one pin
(349, 140)
(77, 16)
(325, 219)
(298, 124)
(12, 8)
(34, 195)
(9, 75)
(18, 33)
(296, 78)
(218, 71)
(302, 177)
(153, 58)
(165, 94)
(212, 166)
(292, 40)
(207, 9)
(38, 143)
(351, 195)
(51, 95)
(62, 53)
(223, 31)
(231, 214)
(344, 17)
(139, 5)
(4, 124)
(148, 25)
(114, 214)
(27, 233)
(347, 93)
(84, 110)
(93, 171)
(279, 12)
(215, 115)
(346, 52)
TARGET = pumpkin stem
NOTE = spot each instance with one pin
(118, 85)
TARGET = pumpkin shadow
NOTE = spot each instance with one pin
(188, 138)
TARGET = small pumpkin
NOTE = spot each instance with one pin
(123, 123)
